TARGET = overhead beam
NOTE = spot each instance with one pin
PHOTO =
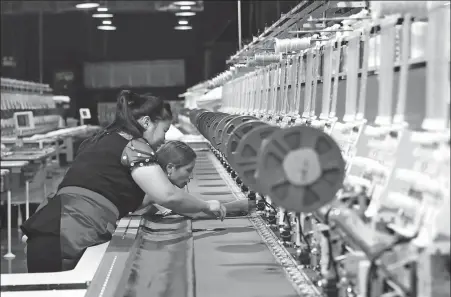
(296, 15)
(292, 21)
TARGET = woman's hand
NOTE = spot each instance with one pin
(217, 209)
(24, 240)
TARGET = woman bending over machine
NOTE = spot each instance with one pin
(114, 173)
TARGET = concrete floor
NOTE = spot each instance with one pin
(19, 263)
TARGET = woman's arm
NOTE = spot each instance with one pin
(152, 180)
(149, 209)
(139, 157)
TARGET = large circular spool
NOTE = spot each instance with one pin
(216, 138)
(301, 168)
(229, 127)
(246, 155)
(194, 116)
(200, 120)
(210, 122)
(236, 136)
(205, 120)
(213, 126)
(194, 113)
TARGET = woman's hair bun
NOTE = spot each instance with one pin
(129, 98)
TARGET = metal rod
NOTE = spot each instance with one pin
(9, 255)
(27, 199)
(41, 48)
(239, 26)
(318, 25)
(338, 19)
(272, 27)
(318, 31)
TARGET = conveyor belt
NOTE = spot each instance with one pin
(174, 257)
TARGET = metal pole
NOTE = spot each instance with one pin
(239, 25)
(41, 50)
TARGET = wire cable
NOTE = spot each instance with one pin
(373, 260)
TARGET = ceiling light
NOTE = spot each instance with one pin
(87, 5)
(183, 27)
(102, 15)
(106, 28)
(185, 2)
(106, 22)
(185, 13)
(183, 22)
(185, 7)
(102, 9)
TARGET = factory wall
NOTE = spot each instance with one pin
(70, 39)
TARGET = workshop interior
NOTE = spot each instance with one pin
(322, 126)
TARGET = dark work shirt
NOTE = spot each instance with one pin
(105, 167)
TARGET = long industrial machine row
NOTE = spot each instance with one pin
(342, 135)
(36, 144)
(355, 242)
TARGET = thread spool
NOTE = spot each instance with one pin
(263, 59)
(251, 63)
(291, 45)
(374, 52)
(332, 28)
(384, 8)
(356, 18)
(222, 78)
(245, 68)
(418, 40)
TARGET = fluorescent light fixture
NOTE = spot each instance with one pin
(102, 15)
(61, 99)
(102, 9)
(106, 28)
(185, 7)
(106, 22)
(185, 13)
(87, 5)
(183, 28)
(183, 22)
(182, 3)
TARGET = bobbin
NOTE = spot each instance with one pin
(217, 134)
(236, 137)
(301, 168)
(213, 128)
(202, 120)
(246, 155)
(229, 127)
(194, 114)
(266, 58)
(291, 45)
(210, 125)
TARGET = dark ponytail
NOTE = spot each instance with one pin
(131, 107)
(127, 102)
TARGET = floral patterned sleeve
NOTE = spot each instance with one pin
(138, 153)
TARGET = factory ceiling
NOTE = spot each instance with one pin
(52, 7)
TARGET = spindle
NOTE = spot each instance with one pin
(291, 45)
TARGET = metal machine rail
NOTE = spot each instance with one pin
(166, 244)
